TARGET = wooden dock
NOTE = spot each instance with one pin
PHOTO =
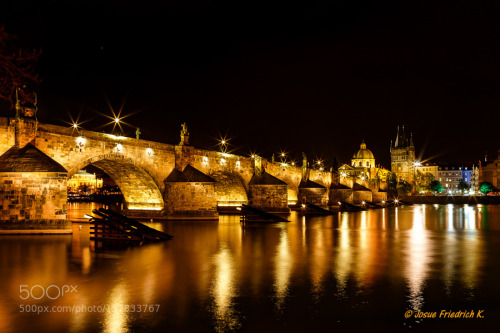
(108, 225)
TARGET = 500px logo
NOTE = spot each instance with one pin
(38, 292)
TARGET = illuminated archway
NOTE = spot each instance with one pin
(229, 189)
(139, 189)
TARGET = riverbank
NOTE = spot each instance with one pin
(452, 199)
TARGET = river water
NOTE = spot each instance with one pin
(346, 272)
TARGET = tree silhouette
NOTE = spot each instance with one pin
(16, 68)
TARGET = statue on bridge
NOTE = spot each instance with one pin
(137, 133)
(26, 103)
(184, 135)
(305, 173)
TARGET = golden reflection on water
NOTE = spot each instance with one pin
(363, 252)
(217, 267)
(343, 259)
(283, 267)
(320, 258)
(417, 259)
(224, 290)
(116, 319)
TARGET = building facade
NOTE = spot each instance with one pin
(83, 179)
(403, 156)
(449, 176)
(489, 171)
(425, 168)
(474, 179)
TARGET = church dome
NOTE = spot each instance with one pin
(363, 153)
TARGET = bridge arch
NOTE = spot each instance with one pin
(140, 190)
(229, 189)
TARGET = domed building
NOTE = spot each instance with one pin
(363, 158)
(362, 166)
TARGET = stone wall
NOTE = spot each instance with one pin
(33, 200)
(359, 196)
(337, 195)
(316, 196)
(271, 198)
(379, 196)
(190, 200)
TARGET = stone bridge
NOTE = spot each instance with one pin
(171, 180)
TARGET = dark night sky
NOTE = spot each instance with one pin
(316, 77)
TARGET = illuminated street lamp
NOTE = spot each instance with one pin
(223, 143)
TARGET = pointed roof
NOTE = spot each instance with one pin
(265, 179)
(310, 184)
(340, 187)
(401, 140)
(358, 187)
(188, 175)
(175, 176)
(396, 143)
(195, 175)
(28, 159)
